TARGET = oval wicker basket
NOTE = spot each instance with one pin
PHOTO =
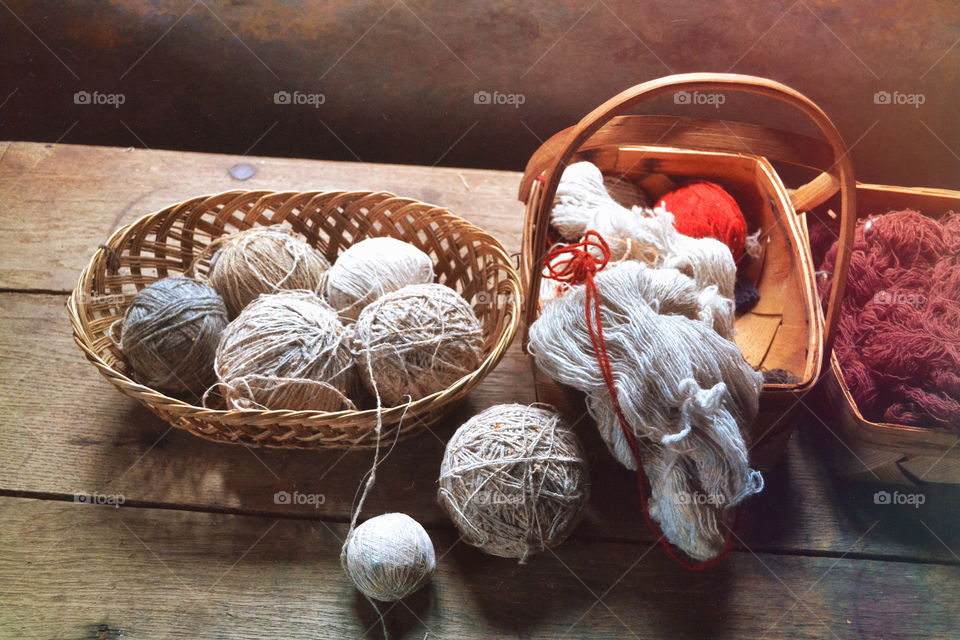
(167, 242)
(785, 330)
(883, 451)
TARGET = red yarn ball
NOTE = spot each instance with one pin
(706, 210)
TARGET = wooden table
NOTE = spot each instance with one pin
(199, 548)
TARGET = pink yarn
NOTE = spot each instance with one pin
(898, 340)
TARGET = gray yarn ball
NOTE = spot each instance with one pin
(170, 332)
(388, 557)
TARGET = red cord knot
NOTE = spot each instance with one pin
(582, 263)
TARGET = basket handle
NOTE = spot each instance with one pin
(633, 96)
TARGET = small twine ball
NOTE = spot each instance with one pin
(388, 557)
(514, 481)
(286, 350)
(416, 341)
(264, 260)
(372, 268)
(169, 334)
(706, 210)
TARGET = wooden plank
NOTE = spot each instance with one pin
(63, 429)
(82, 571)
(61, 201)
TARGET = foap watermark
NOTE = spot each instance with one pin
(698, 497)
(101, 298)
(496, 98)
(900, 297)
(298, 97)
(898, 497)
(494, 498)
(699, 97)
(295, 497)
(112, 499)
(97, 98)
(896, 97)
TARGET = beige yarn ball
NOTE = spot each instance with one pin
(416, 341)
(389, 557)
(372, 268)
(264, 260)
(514, 480)
(286, 350)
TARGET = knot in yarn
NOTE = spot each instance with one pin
(582, 263)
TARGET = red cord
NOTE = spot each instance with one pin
(581, 268)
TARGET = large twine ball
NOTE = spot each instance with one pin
(416, 341)
(389, 557)
(169, 334)
(514, 480)
(286, 350)
(372, 268)
(264, 260)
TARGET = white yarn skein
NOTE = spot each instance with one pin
(372, 268)
(686, 392)
(648, 235)
(389, 557)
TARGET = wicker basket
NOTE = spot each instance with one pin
(785, 330)
(165, 243)
(887, 452)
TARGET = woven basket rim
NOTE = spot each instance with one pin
(333, 419)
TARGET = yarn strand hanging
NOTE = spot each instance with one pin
(582, 267)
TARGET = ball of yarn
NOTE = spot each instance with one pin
(286, 350)
(170, 332)
(264, 260)
(388, 557)
(897, 340)
(685, 390)
(371, 268)
(416, 341)
(706, 210)
(514, 481)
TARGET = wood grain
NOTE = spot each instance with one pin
(62, 201)
(75, 432)
(103, 572)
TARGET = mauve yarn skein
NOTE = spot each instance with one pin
(514, 480)
(286, 350)
(372, 268)
(170, 332)
(388, 557)
(416, 341)
(264, 260)
(898, 340)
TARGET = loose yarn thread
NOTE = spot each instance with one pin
(372, 268)
(666, 380)
(419, 340)
(263, 260)
(514, 481)
(170, 332)
(286, 350)
(898, 342)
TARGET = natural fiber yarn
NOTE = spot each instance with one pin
(624, 191)
(514, 481)
(371, 268)
(169, 334)
(286, 350)
(388, 557)
(686, 391)
(707, 210)
(416, 341)
(582, 204)
(898, 341)
(263, 260)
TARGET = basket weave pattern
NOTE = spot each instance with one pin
(168, 242)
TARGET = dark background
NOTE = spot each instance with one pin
(399, 77)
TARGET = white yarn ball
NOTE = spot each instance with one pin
(514, 481)
(372, 268)
(389, 557)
